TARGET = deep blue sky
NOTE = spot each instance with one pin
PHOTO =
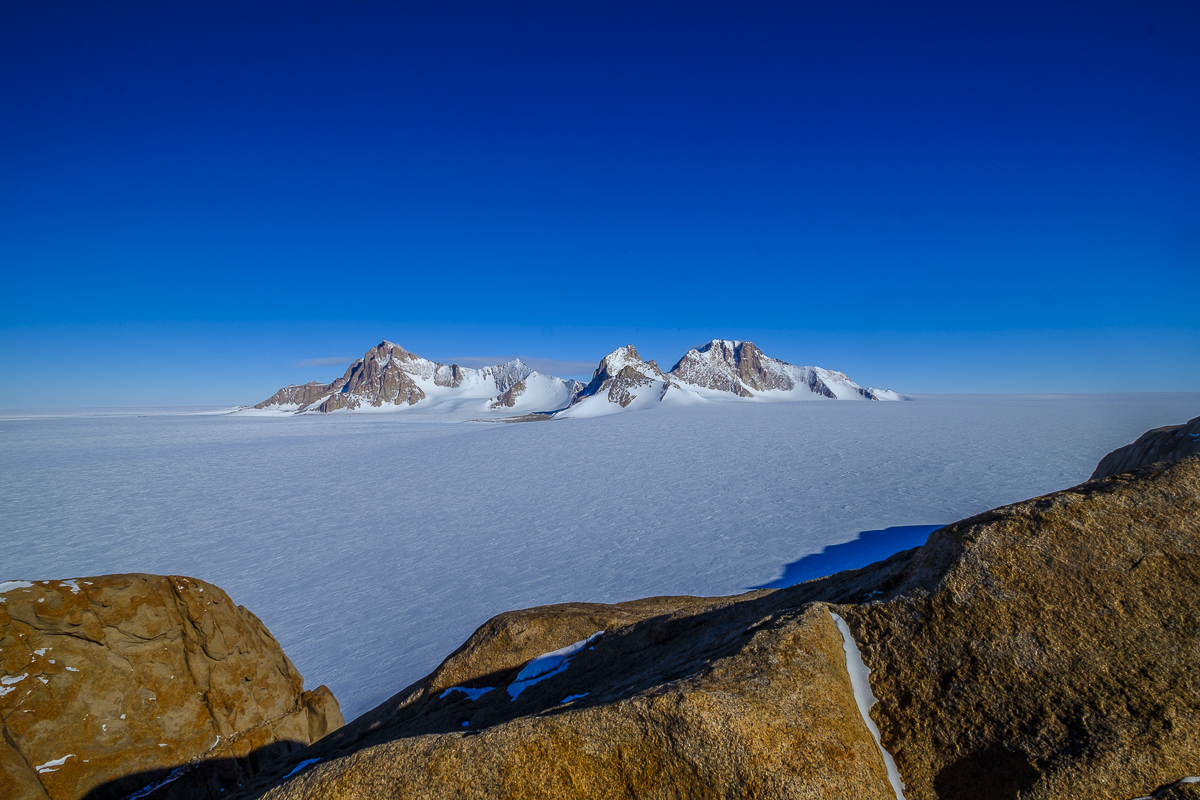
(196, 199)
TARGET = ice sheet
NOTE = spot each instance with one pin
(373, 545)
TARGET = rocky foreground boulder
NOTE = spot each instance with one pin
(1169, 443)
(1046, 649)
(110, 686)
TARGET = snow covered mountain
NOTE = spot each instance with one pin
(623, 380)
(721, 369)
(389, 377)
(742, 369)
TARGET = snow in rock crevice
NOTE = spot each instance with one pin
(865, 698)
(547, 665)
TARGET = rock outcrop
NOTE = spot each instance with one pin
(1046, 649)
(678, 697)
(110, 685)
(1169, 443)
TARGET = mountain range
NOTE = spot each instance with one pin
(388, 377)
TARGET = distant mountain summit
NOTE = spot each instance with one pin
(742, 369)
(721, 369)
(390, 377)
(623, 378)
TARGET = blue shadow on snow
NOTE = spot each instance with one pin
(867, 548)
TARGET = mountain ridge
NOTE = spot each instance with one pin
(388, 376)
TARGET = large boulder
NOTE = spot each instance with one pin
(111, 685)
(1046, 649)
(678, 697)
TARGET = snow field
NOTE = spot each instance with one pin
(373, 545)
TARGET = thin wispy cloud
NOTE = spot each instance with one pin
(324, 362)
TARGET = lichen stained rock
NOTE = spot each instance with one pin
(109, 684)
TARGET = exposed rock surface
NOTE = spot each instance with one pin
(679, 697)
(622, 377)
(1169, 443)
(108, 684)
(1046, 649)
(389, 375)
(742, 369)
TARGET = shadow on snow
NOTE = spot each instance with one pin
(867, 548)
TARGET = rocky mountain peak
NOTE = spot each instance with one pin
(389, 375)
(624, 357)
(732, 366)
(620, 375)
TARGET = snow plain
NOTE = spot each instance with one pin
(372, 545)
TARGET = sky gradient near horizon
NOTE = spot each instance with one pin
(201, 203)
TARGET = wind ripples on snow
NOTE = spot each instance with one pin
(372, 546)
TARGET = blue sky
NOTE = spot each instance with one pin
(198, 201)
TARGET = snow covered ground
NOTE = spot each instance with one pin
(372, 545)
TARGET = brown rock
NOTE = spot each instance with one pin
(1189, 790)
(730, 367)
(302, 396)
(387, 375)
(680, 697)
(508, 398)
(619, 377)
(739, 367)
(1170, 443)
(1046, 649)
(382, 376)
(108, 684)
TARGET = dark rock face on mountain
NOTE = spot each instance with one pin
(730, 367)
(509, 397)
(380, 377)
(742, 369)
(389, 375)
(721, 368)
(621, 375)
(1046, 649)
(302, 396)
(110, 684)
(1169, 443)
